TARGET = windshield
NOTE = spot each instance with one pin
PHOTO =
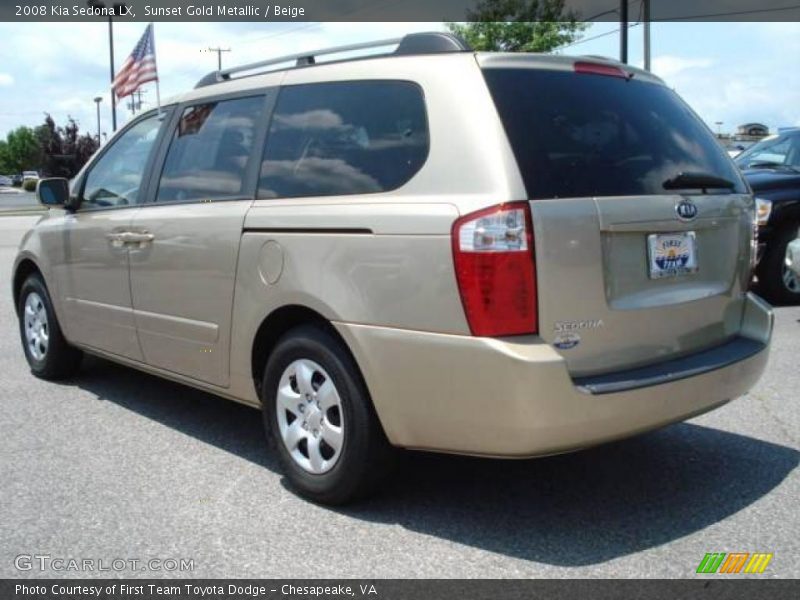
(578, 135)
(774, 151)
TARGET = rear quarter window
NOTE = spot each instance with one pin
(579, 135)
(357, 137)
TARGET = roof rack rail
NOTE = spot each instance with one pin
(414, 43)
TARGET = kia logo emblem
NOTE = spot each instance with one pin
(686, 210)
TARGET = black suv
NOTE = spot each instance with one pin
(772, 167)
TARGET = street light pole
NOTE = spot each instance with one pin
(97, 101)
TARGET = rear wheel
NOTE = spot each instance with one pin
(320, 419)
(779, 284)
(49, 355)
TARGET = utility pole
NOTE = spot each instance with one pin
(623, 31)
(219, 52)
(646, 17)
(136, 101)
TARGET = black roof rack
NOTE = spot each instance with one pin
(414, 43)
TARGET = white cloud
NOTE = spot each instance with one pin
(751, 88)
(667, 66)
(64, 66)
(729, 72)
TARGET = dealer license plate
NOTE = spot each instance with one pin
(672, 254)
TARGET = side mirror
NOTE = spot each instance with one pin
(53, 191)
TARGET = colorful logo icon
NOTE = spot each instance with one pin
(734, 562)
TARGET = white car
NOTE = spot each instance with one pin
(30, 175)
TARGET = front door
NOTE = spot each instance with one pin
(92, 270)
(184, 269)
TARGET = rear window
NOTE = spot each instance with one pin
(577, 135)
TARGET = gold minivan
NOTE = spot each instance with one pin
(505, 255)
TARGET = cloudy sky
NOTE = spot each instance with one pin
(732, 72)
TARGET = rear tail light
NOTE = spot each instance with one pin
(600, 69)
(496, 271)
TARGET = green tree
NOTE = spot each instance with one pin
(5, 163)
(519, 26)
(52, 150)
(21, 151)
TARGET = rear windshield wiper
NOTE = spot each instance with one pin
(702, 181)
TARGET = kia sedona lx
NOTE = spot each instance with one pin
(505, 255)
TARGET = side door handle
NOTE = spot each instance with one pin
(119, 239)
(115, 239)
(137, 237)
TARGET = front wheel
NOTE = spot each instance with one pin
(777, 282)
(319, 417)
(49, 355)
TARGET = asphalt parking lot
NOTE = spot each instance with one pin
(119, 464)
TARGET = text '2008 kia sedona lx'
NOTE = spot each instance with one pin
(505, 255)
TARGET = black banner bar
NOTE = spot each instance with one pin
(702, 588)
(391, 10)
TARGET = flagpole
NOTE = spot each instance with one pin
(155, 60)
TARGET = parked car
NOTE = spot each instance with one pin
(16, 180)
(30, 175)
(772, 168)
(793, 257)
(6, 181)
(380, 254)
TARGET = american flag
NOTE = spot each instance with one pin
(139, 67)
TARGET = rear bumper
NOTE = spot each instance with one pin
(515, 398)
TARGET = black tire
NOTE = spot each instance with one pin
(365, 457)
(59, 360)
(771, 269)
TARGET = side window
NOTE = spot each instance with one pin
(344, 138)
(209, 150)
(116, 178)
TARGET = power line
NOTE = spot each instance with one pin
(597, 37)
(731, 13)
(685, 18)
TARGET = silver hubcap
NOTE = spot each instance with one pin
(790, 278)
(310, 416)
(37, 331)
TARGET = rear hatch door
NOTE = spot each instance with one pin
(642, 223)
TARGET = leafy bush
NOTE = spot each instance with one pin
(29, 185)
